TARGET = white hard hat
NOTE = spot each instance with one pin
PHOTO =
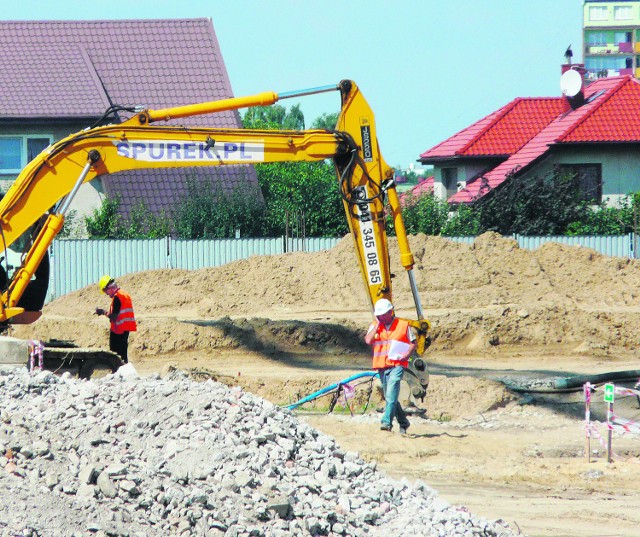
(382, 306)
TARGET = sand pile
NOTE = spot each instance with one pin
(478, 296)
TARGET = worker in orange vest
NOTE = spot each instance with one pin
(120, 315)
(393, 342)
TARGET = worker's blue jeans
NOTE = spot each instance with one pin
(391, 377)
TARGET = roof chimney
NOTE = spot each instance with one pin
(572, 85)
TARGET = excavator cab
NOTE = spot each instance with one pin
(35, 293)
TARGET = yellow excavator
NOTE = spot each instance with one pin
(42, 193)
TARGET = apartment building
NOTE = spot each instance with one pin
(611, 38)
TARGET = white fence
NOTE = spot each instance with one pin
(76, 263)
(610, 245)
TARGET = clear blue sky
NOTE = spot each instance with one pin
(428, 68)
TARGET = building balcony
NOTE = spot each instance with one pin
(610, 48)
(594, 74)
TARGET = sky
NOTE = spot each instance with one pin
(428, 68)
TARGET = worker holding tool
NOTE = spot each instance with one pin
(393, 342)
(120, 315)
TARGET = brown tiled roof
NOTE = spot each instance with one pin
(76, 69)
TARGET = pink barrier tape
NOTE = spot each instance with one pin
(592, 431)
(36, 350)
(614, 422)
(587, 407)
(627, 426)
(619, 390)
(348, 391)
(626, 391)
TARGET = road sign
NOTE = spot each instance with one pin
(608, 393)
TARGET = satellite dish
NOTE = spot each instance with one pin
(571, 83)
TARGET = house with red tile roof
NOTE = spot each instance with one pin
(597, 138)
(59, 77)
(424, 186)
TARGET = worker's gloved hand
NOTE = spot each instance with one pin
(99, 311)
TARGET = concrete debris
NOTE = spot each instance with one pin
(133, 457)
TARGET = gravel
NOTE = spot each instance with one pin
(132, 456)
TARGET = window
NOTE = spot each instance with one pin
(595, 39)
(17, 151)
(598, 13)
(450, 178)
(621, 13)
(588, 177)
(621, 37)
(10, 155)
(605, 62)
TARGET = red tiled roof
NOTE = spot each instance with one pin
(423, 187)
(502, 132)
(606, 101)
(455, 144)
(525, 119)
(615, 119)
(76, 69)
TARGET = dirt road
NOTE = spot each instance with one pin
(285, 326)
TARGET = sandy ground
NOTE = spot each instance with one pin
(285, 326)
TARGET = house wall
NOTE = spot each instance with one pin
(465, 172)
(610, 20)
(620, 168)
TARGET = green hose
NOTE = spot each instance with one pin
(575, 383)
(580, 380)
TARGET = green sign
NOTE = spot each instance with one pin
(608, 393)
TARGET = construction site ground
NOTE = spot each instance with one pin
(285, 326)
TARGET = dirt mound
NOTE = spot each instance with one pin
(478, 297)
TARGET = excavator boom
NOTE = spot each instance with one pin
(48, 184)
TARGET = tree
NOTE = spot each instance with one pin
(423, 213)
(143, 224)
(273, 117)
(464, 222)
(207, 212)
(608, 220)
(310, 188)
(306, 189)
(326, 121)
(105, 221)
(72, 226)
(533, 205)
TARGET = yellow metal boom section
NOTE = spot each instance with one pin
(53, 177)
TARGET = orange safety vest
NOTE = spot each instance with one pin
(125, 321)
(382, 341)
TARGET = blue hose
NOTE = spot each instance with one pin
(330, 388)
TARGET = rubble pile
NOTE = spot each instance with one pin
(131, 456)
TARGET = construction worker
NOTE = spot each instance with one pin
(120, 315)
(393, 342)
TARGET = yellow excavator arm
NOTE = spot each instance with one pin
(48, 184)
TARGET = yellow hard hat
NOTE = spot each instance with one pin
(104, 281)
